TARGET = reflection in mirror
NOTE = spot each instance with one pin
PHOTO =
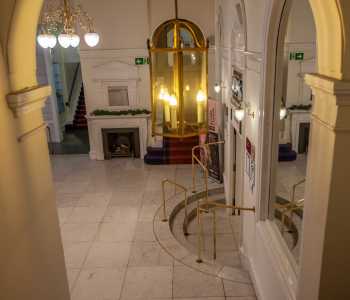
(293, 125)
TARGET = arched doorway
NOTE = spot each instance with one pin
(322, 212)
(36, 182)
(32, 256)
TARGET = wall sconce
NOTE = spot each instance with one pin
(283, 112)
(239, 114)
(218, 87)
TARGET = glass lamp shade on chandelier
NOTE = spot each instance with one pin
(59, 23)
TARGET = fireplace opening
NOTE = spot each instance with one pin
(121, 142)
(304, 132)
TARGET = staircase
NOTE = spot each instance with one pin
(80, 121)
(174, 151)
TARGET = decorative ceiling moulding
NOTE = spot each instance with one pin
(331, 86)
(28, 100)
(115, 71)
(113, 54)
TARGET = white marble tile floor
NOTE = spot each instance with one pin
(106, 211)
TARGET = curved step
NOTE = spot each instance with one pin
(165, 236)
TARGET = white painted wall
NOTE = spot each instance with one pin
(301, 37)
(266, 255)
(124, 27)
(50, 110)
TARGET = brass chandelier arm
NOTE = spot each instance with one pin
(66, 16)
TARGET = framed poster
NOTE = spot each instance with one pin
(237, 87)
(214, 165)
(215, 151)
(250, 163)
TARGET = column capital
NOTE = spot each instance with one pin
(28, 100)
(331, 106)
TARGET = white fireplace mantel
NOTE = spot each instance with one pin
(97, 123)
(298, 117)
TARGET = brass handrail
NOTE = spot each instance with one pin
(165, 181)
(292, 205)
(294, 188)
(212, 205)
(205, 169)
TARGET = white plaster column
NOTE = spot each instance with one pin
(325, 259)
(34, 264)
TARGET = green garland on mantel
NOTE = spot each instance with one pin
(132, 112)
(300, 107)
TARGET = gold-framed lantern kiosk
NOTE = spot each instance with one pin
(179, 70)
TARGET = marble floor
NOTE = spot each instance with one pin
(106, 212)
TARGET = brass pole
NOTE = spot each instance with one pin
(176, 10)
(186, 214)
(193, 174)
(163, 193)
(199, 237)
(164, 209)
(214, 233)
(206, 187)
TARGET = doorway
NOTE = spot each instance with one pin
(291, 119)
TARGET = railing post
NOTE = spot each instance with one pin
(214, 233)
(199, 235)
(164, 209)
(193, 174)
(186, 214)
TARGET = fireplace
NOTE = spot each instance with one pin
(121, 142)
(300, 127)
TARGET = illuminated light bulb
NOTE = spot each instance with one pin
(92, 39)
(239, 114)
(187, 88)
(52, 40)
(162, 94)
(43, 40)
(172, 100)
(64, 40)
(74, 40)
(193, 58)
(173, 112)
(201, 97)
(283, 113)
(217, 88)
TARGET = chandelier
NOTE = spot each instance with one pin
(59, 23)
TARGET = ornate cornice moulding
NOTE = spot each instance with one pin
(28, 100)
(332, 86)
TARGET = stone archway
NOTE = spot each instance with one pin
(333, 30)
(324, 263)
(32, 258)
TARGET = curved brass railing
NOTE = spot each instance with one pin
(164, 182)
(291, 206)
(209, 205)
(212, 205)
(195, 159)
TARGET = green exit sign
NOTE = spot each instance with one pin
(296, 56)
(141, 60)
